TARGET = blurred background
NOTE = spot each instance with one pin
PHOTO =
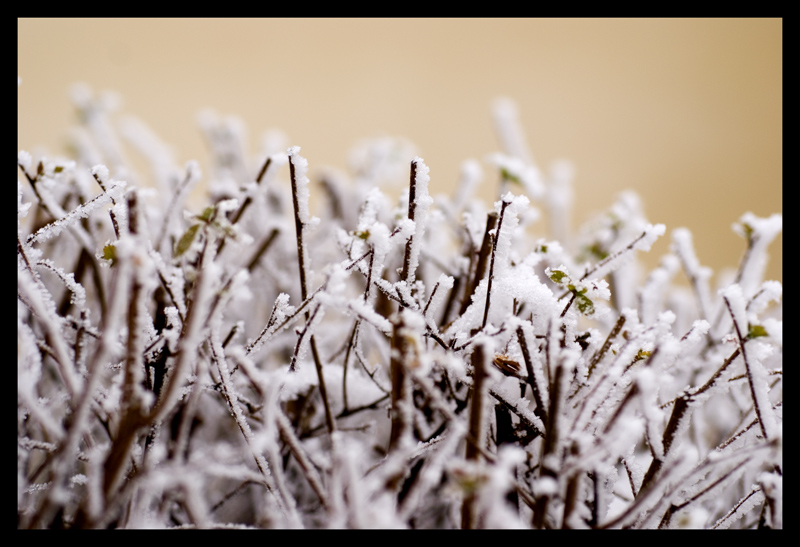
(686, 112)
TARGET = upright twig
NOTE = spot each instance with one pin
(484, 255)
(400, 350)
(494, 239)
(300, 205)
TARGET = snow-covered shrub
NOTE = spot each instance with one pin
(431, 363)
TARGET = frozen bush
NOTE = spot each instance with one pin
(436, 363)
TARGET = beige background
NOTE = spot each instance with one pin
(687, 112)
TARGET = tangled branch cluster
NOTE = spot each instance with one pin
(428, 363)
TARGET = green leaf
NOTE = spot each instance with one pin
(110, 253)
(186, 240)
(509, 177)
(557, 276)
(756, 331)
(577, 291)
(597, 251)
(207, 213)
(585, 305)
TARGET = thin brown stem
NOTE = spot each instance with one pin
(412, 211)
(748, 368)
(401, 357)
(494, 240)
(479, 377)
(301, 258)
(533, 378)
(484, 255)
